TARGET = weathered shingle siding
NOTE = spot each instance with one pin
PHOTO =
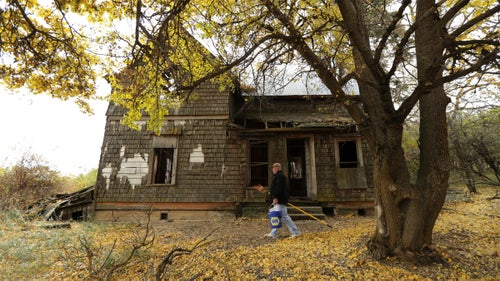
(200, 123)
(219, 178)
(119, 138)
(204, 124)
(325, 166)
(206, 100)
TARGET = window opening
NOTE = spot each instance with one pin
(348, 156)
(163, 165)
(259, 172)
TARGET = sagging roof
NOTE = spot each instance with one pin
(267, 112)
(296, 120)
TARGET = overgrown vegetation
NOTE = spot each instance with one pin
(30, 252)
(32, 179)
(27, 181)
(475, 145)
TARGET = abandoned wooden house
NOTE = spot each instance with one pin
(214, 148)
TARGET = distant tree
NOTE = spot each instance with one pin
(475, 147)
(29, 180)
(81, 181)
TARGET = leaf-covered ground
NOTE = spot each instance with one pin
(467, 235)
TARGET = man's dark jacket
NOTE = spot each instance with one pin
(279, 188)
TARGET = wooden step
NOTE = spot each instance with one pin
(304, 217)
(315, 211)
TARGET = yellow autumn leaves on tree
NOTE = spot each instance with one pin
(167, 48)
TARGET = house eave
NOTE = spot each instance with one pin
(243, 132)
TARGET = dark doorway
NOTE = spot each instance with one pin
(296, 153)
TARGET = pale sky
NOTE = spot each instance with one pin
(69, 140)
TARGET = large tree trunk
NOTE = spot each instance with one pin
(406, 212)
(433, 173)
(393, 196)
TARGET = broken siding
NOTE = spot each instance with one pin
(214, 175)
(124, 163)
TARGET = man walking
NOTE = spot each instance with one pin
(280, 192)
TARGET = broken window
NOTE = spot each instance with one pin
(259, 172)
(163, 165)
(351, 174)
(164, 154)
(348, 154)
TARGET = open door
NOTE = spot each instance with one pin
(296, 153)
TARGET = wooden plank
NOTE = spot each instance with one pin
(351, 178)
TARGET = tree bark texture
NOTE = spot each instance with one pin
(433, 173)
(406, 212)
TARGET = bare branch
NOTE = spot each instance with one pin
(145, 241)
(392, 26)
(487, 58)
(355, 26)
(398, 54)
(453, 11)
(227, 67)
(421, 89)
(176, 252)
(464, 27)
(296, 40)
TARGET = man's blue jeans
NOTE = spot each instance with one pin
(285, 218)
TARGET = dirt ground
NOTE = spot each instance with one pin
(248, 232)
(466, 235)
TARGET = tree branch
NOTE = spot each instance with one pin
(227, 67)
(25, 16)
(392, 26)
(409, 103)
(452, 12)
(484, 60)
(355, 26)
(321, 68)
(176, 252)
(421, 89)
(464, 27)
(398, 54)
